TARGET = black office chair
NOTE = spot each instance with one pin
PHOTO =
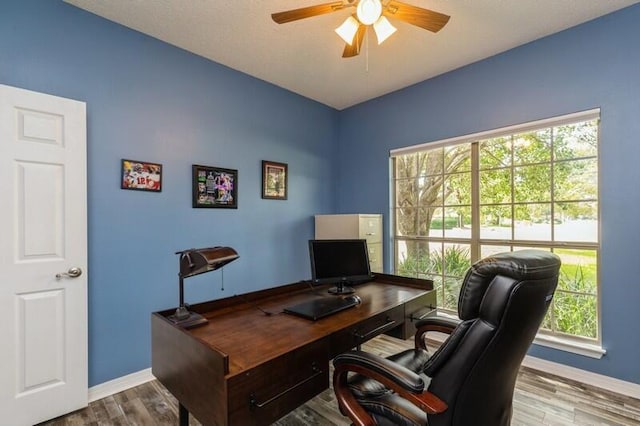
(470, 379)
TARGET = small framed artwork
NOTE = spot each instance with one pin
(141, 176)
(274, 180)
(215, 187)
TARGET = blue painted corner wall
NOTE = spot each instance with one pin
(594, 65)
(150, 101)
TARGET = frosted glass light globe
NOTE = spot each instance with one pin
(369, 11)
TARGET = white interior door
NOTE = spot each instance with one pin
(43, 234)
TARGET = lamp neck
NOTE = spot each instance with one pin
(181, 281)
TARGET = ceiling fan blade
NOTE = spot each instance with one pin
(306, 12)
(423, 18)
(353, 49)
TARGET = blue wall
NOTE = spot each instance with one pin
(149, 101)
(596, 64)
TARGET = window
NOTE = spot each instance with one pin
(530, 186)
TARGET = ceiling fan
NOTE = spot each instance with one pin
(368, 13)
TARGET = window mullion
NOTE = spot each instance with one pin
(512, 169)
(552, 168)
(475, 202)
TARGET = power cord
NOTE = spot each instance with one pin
(255, 305)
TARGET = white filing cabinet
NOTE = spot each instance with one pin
(354, 226)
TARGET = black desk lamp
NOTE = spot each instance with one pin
(196, 262)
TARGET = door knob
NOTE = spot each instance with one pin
(74, 272)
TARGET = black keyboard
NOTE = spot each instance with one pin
(320, 308)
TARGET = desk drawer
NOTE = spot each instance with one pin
(415, 310)
(351, 337)
(267, 392)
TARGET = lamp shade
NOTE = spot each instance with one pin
(369, 11)
(199, 261)
(348, 29)
(383, 29)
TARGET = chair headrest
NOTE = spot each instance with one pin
(523, 265)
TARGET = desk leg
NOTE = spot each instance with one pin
(183, 415)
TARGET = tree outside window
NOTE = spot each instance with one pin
(533, 189)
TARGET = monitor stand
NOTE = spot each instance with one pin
(340, 288)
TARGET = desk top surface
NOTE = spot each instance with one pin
(249, 336)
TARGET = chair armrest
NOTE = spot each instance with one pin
(437, 321)
(433, 323)
(403, 381)
(397, 373)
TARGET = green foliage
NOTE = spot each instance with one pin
(452, 264)
(413, 265)
(517, 176)
(578, 278)
(574, 308)
(573, 311)
(456, 260)
(420, 185)
(451, 294)
(575, 314)
(449, 223)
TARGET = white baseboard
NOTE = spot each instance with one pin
(587, 377)
(571, 373)
(120, 384)
(630, 389)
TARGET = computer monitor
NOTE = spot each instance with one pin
(339, 262)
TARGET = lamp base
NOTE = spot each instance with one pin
(186, 319)
(341, 289)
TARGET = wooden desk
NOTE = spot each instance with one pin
(246, 367)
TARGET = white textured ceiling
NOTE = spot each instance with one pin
(306, 56)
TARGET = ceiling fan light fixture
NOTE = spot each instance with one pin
(383, 29)
(348, 30)
(369, 11)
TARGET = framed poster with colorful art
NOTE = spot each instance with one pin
(141, 176)
(215, 187)
(274, 180)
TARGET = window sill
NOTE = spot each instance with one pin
(579, 348)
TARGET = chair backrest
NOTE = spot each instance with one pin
(502, 303)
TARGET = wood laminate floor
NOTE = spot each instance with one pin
(540, 399)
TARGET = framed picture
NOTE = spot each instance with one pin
(215, 187)
(141, 176)
(274, 180)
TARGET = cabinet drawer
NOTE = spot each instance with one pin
(375, 256)
(351, 337)
(371, 228)
(267, 392)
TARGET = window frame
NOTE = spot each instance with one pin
(578, 344)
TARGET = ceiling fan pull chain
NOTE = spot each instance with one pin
(222, 272)
(366, 53)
